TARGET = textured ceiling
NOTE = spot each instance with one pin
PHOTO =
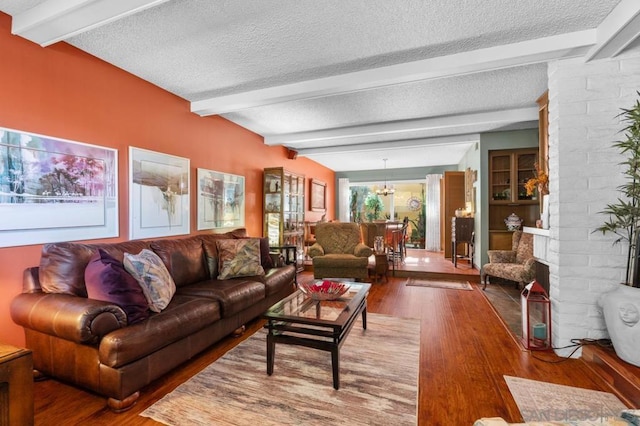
(237, 49)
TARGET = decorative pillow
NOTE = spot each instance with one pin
(239, 258)
(265, 256)
(152, 275)
(107, 280)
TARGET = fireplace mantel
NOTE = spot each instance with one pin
(540, 243)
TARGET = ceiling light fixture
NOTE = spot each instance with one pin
(385, 191)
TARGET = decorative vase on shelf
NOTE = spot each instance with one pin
(513, 222)
(544, 216)
(621, 310)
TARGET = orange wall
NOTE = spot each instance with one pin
(63, 92)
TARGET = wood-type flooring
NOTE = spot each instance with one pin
(465, 349)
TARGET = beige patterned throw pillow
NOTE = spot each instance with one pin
(239, 258)
(152, 275)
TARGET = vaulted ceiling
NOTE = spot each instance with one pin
(345, 82)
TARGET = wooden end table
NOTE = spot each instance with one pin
(380, 268)
(16, 386)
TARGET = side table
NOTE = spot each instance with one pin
(16, 386)
(380, 268)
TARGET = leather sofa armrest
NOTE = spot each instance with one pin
(362, 250)
(315, 250)
(501, 256)
(68, 317)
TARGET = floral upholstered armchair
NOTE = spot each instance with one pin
(517, 264)
(339, 252)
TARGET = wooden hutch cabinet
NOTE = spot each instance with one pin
(509, 170)
(284, 210)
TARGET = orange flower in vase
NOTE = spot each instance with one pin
(540, 182)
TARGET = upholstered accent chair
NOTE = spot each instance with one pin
(339, 251)
(371, 230)
(517, 264)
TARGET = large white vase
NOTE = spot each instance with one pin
(621, 309)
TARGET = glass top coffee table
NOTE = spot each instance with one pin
(320, 324)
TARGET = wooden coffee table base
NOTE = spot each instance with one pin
(325, 337)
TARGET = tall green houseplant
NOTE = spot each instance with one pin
(624, 216)
(374, 206)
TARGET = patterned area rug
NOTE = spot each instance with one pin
(541, 401)
(378, 382)
(455, 285)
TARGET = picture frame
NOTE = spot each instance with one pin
(221, 200)
(159, 195)
(318, 193)
(54, 189)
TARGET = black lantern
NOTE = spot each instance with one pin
(536, 317)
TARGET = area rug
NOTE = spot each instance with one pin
(455, 285)
(542, 401)
(378, 382)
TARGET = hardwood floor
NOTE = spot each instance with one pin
(464, 352)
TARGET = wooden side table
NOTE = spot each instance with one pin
(380, 268)
(16, 386)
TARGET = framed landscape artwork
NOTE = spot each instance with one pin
(318, 196)
(220, 200)
(55, 189)
(158, 194)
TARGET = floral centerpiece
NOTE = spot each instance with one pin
(540, 182)
(324, 290)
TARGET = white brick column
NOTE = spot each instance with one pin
(584, 101)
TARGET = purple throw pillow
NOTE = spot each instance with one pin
(107, 280)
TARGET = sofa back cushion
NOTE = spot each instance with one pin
(62, 265)
(184, 259)
(211, 250)
(107, 280)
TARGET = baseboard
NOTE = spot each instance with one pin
(623, 377)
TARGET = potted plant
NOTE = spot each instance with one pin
(624, 216)
(374, 205)
(621, 306)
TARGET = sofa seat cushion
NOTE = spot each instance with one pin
(184, 316)
(234, 295)
(277, 279)
(340, 260)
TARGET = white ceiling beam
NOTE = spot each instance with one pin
(387, 145)
(395, 129)
(618, 30)
(57, 20)
(492, 58)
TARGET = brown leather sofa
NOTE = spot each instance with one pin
(88, 342)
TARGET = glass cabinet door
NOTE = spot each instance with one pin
(284, 209)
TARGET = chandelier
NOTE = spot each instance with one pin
(385, 190)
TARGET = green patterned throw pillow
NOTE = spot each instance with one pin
(239, 258)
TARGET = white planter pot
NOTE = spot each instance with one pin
(621, 309)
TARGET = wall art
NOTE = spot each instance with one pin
(220, 200)
(318, 196)
(158, 194)
(54, 189)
